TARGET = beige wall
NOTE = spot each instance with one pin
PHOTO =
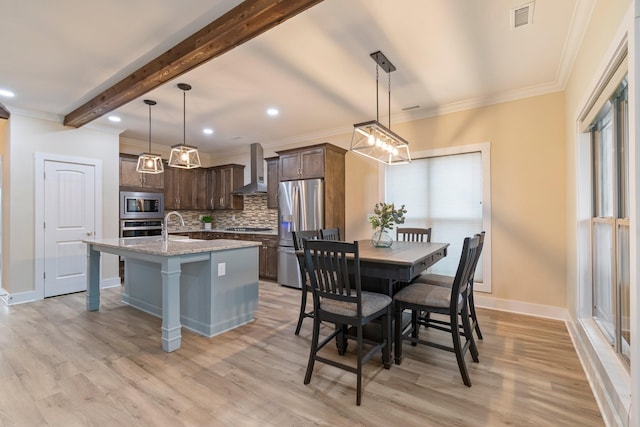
(28, 135)
(527, 189)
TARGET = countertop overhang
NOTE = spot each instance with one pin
(155, 245)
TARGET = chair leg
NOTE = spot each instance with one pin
(468, 332)
(386, 336)
(303, 308)
(457, 349)
(313, 350)
(359, 368)
(415, 333)
(472, 307)
(397, 336)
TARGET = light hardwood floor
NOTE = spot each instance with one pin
(63, 366)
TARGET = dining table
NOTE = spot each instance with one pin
(386, 269)
(382, 269)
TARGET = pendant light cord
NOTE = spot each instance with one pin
(389, 74)
(184, 117)
(149, 128)
(377, 103)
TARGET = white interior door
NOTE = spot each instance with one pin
(69, 217)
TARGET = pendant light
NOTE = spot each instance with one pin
(148, 162)
(372, 139)
(182, 155)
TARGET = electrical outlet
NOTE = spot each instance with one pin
(201, 216)
(222, 269)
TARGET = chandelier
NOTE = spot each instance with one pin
(182, 155)
(372, 139)
(148, 162)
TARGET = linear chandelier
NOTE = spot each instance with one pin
(372, 139)
(149, 162)
(182, 155)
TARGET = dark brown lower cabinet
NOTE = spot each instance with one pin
(267, 253)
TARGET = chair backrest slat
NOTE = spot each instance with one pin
(412, 234)
(330, 234)
(329, 267)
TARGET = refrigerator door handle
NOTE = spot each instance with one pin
(295, 207)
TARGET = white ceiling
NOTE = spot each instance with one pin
(315, 68)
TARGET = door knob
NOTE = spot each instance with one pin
(89, 233)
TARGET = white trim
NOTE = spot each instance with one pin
(485, 149)
(111, 282)
(520, 307)
(40, 159)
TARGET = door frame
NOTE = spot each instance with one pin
(40, 159)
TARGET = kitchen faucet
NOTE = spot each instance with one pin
(165, 227)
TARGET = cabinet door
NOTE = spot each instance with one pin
(269, 258)
(218, 192)
(129, 177)
(185, 188)
(226, 180)
(200, 192)
(171, 197)
(272, 183)
(312, 163)
(153, 180)
(289, 166)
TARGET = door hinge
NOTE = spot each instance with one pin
(44, 175)
(44, 276)
(44, 225)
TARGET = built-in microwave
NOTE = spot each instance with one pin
(140, 205)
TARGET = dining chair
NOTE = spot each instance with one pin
(298, 243)
(429, 299)
(409, 234)
(447, 281)
(339, 299)
(330, 233)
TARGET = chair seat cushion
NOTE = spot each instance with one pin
(371, 303)
(424, 294)
(434, 279)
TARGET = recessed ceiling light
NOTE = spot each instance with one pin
(273, 112)
(207, 131)
(115, 119)
(7, 93)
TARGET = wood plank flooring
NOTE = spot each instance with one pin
(63, 366)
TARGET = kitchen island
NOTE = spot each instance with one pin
(209, 286)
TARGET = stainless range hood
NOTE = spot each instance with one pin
(257, 184)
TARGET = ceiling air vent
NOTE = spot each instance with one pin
(522, 16)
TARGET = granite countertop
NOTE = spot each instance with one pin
(174, 246)
(272, 232)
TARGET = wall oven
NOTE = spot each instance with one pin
(140, 205)
(140, 228)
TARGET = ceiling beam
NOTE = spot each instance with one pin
(242, 23)
(4, 113)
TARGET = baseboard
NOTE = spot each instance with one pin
(19, 297)
(30, 296)
(110, 283)
(538, 310)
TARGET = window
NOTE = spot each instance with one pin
(449, 192)
(610, 220)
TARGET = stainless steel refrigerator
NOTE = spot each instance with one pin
(300, 207)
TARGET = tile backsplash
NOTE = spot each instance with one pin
(254, 214)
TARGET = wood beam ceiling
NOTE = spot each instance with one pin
(242, 23)
(4, 113)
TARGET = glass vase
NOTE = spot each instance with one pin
(381, 239)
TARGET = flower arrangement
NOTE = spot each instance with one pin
(386, 216)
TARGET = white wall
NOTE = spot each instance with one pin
(27, 135)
